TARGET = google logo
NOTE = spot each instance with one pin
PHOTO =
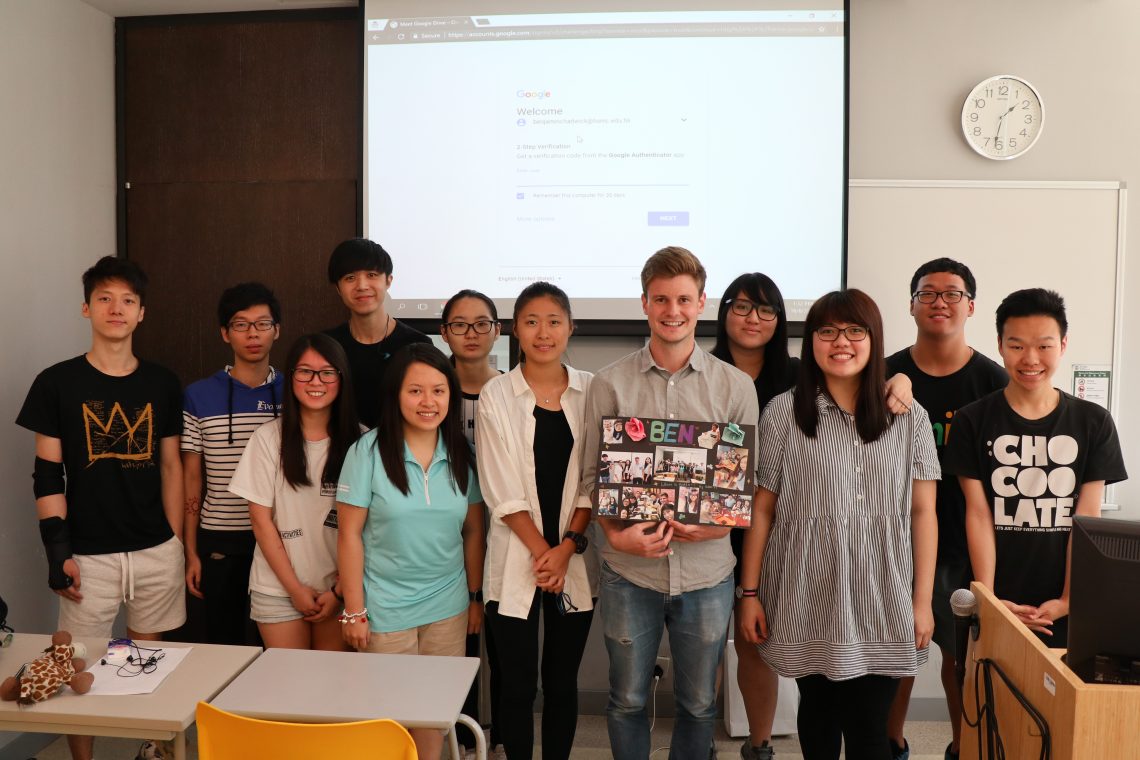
(540, 94)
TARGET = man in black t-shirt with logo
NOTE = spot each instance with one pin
(108, 477)
(946, 375)
(1029, 458)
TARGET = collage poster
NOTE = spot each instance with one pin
(691, 472)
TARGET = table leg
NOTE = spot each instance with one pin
(480, 739)
(180, 745)
(453, 742)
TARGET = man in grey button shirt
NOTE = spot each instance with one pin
(673, 575)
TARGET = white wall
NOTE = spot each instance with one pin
(57, 216)
(914, 61)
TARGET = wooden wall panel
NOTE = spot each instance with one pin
(196, 239)
(240, 140)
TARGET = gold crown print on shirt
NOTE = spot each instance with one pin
(114, 436)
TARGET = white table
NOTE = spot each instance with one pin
(302, 686)
(164, 714)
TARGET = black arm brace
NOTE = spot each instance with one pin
(57, 541)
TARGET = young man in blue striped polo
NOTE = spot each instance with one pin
(219, 415)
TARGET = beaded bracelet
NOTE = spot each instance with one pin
(346, 617)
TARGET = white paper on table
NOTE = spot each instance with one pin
(113, 680)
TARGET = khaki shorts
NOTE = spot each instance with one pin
(150, 582)
(447, 638)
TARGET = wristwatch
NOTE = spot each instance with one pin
(742, 592)
(580, 541)
(476, 596)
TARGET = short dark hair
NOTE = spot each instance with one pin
(949, 266)
(244, 296)
(468, 293)
(390, 428)
(358, 254)
(114, 268)
(1033, 302)
(871, 415)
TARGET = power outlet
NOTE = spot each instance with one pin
(664, 664)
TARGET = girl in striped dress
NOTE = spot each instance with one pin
(845, 531)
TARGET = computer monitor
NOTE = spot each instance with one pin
(1104, 617)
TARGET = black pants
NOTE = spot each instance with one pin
(471, 704)
(225, 586)
(854, 711)
(564, 641)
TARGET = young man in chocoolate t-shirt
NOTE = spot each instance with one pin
(361, 272)
(219, 414)
(108, 479)
(946, 375)
(1029, 458)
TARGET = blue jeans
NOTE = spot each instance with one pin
(634, 619)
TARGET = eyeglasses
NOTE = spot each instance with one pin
(947, 296)
(482, 327)
(261, 325)
(854, 333)
(742, 308)
(326, 376)
(565, 605)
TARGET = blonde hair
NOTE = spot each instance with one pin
(670, 262)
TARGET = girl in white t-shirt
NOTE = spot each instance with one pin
(288, 473)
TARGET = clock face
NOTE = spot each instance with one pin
(1002, 117)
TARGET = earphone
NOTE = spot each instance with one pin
(137, 663)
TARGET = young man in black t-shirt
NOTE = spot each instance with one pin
(1029, 458)
(108, 479)
(946, 374)
(361, 272)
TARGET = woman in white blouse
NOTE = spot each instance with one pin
(538, 521)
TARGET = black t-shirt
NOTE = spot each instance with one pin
(1032, 472)
(767, 388)
(110, 429)
(553, 441)
(942, 397)
(367, 362)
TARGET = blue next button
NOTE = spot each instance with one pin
(668, 218)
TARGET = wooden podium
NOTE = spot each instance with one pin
(1086, 721)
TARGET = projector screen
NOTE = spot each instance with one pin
(505, 147)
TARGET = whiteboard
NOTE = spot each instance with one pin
(1065, 236)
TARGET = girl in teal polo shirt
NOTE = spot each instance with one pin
(410, 514)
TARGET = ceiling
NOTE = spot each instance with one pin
(119, 8)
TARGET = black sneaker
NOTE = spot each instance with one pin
(748, 751)
(900, 753)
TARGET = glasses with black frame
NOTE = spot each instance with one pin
(326, 376)
(948, 296)
(742, 307)
(261, 325)
(481, 326)
(854, 333)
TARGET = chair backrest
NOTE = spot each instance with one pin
(225, 736)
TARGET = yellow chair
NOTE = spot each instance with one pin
(225, 736)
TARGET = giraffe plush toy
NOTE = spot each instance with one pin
(60, 664)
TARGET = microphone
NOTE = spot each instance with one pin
(965, 608)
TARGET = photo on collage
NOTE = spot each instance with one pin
(645, 503)
(680, 465)
(625, 467)
(609, 500)
(731, 469)
(726, 509)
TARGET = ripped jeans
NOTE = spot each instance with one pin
(634, 619)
